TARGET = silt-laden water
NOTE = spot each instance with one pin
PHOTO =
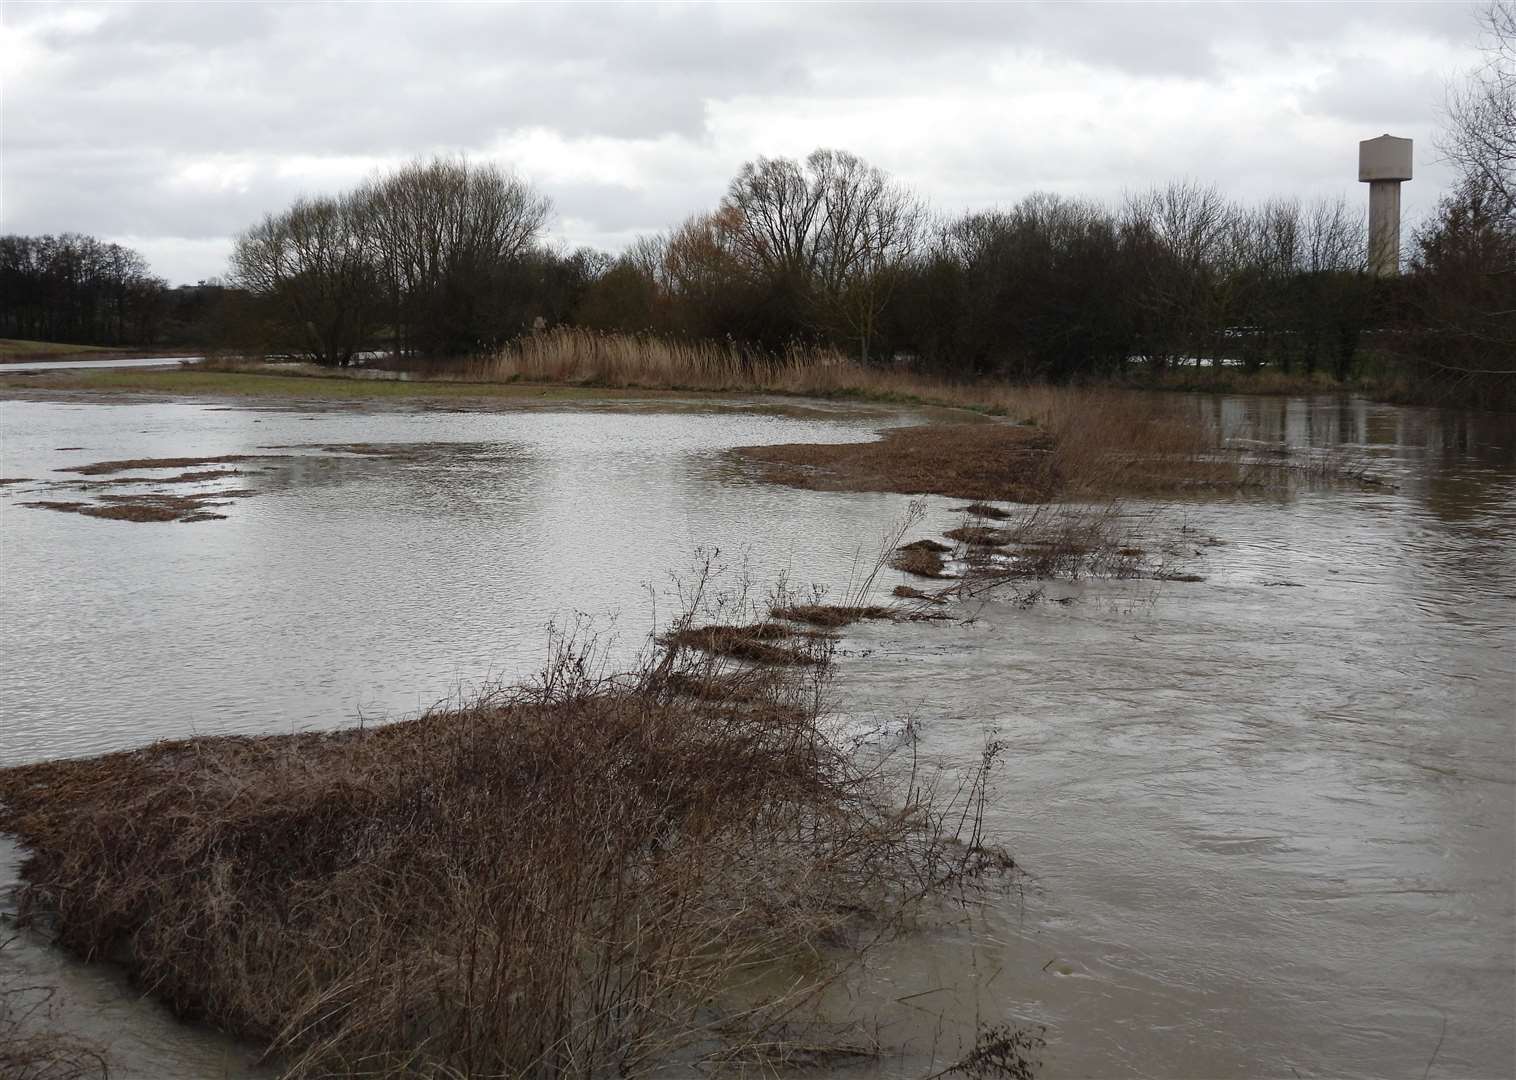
(1266, 819)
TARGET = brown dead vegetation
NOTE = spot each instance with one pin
(987, 460)
(403, 451)
(1075, 444)
(755, 643)
(1047, 542)
(921, 561)
(575, 877)
(984, 510)
(152, 506)
(147, 507)
(831, 616)
(980, 536)
(202, 476)
(906, 592)
(103, 468)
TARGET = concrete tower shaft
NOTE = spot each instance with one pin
(1384, 163)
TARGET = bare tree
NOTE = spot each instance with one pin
(311, 268)
(1480, 138)
(1181, 231)
(76, 288)
(440, 233)
(870, 228)
(834, 230)
(1465, 258)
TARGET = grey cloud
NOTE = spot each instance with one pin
(1373, 93)
(94, 134)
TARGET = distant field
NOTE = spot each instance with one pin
(18, 349)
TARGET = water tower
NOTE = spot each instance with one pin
(1383, 164)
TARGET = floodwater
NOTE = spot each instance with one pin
(120, 362)
(1267, 819)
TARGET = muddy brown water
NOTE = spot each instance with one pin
(1266, 818)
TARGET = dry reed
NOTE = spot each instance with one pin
(574, 877)
(1101, 441)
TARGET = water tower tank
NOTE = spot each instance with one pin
(1384, 158)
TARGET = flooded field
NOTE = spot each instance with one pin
(1266, 818)
(92, 365)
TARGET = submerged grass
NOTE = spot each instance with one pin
(106, 468)
(578, 876)
(1045, 542)
(30, 1047)
(148, 506)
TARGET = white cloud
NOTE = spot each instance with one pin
(178, 125)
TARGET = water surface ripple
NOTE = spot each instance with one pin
(1267, 818)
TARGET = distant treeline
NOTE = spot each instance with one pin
(82, 291)
(446, 258)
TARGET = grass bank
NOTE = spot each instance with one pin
(580, 876)
(19, 349)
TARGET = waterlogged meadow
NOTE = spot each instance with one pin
(1195, 762)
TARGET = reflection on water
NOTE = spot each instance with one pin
(361, 583)
(121, 362)
(1267, 818)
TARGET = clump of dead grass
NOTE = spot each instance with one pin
(576, 876)
(1046, 542)
(831, 616)
(1052, 542)
(987, 460)
(921, 561)
(984, 510)
(980, 536)
(907, 592)
(756, 643)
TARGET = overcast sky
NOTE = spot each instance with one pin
(170, 127)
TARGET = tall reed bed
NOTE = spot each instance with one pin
(572, 355)
(577, 877)
(1104, 441)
